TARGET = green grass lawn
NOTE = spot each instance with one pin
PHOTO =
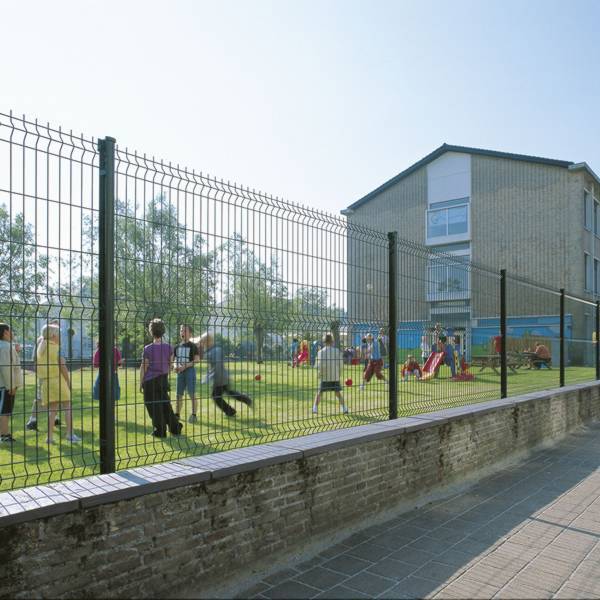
(282, 409)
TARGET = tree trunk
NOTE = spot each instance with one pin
(259, 340)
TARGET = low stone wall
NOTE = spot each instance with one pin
(157, 530)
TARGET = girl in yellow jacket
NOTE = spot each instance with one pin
(55, 388)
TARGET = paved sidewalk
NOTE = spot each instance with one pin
(530, 531)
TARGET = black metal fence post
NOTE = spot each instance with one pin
(393, 370)
(106, 268)
(562, 338)
(597, 340)
(503, 340)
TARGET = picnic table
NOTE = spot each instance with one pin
(492, 361)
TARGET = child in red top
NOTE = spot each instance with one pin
(303, 356)
(411, 367)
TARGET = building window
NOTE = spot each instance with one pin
(596, 276)
(589, 273)
(588, 208)
(449, 276)
(596, 218)
(448, 221)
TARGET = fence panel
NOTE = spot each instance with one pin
(443, 304)
(222, 298)
(580, 349)
(266, 280)
(48, 276)
(533, 337)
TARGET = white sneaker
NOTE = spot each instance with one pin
(192, 419)
(344, 409)
(315, 410)
(73, 438)
(362, 387)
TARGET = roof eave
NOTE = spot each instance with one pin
(460, 149)
(583, 166)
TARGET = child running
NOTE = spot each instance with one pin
(375, 364)
(217, 373)
(411, 367)
(329, 367)
(154, 378)
(186, 356)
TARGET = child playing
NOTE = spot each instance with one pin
(55, 387)
(295, 345)
(375, 363)
(186, 356)
(364, 353)
(219, 375)
(37, 401)
(329, 367)
(154, 378)
(411, 367)
(303, 356)
(117, 360)
(11, 378)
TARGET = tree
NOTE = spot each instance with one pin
(161, 270)
(255, 294)
(313, 312)
(23, 273)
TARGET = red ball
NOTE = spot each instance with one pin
(348, 382)
(258, 377)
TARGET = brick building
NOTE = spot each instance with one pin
(538, 218)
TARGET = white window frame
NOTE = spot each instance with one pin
(449, 239)
(596, 276)
(437, 296)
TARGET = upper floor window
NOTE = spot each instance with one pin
(448, 221)
(449, 276)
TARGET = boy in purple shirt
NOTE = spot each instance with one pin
(154, 382)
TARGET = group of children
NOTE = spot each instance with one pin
(53, 392)
(159, 358)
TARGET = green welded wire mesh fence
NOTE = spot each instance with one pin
(240, 288)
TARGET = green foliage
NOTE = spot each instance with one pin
(23, 273)
(160, 271)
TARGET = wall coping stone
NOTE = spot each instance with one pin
(27, 504)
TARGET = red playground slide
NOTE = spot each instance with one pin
(432, 364)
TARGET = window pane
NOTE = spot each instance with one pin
(457, 220)
(437, 277)
(597, 218)
(437, 223)
(458, 279)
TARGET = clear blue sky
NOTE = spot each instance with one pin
(314, 101)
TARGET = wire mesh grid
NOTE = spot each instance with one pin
(48, 270)
(443, 302)
(239, 318)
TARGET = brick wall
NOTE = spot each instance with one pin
(158, 530)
